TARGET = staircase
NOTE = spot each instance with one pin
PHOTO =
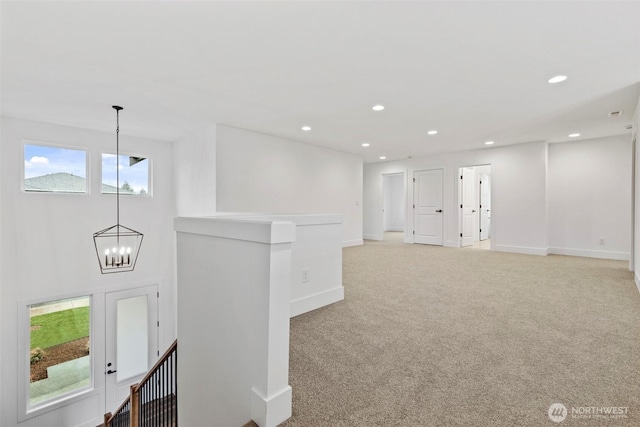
(154, 400)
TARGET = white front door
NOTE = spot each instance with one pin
(427, 212)
(132, 340)
(485, 207)
(467, 205)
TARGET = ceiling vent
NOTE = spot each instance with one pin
(615, 113)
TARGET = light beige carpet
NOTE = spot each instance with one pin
(433, 336)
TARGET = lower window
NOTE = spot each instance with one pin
(59, 349)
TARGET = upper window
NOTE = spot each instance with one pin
(134, 175)
(54, 170)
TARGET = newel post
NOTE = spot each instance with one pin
(107, 416)
(135, 406)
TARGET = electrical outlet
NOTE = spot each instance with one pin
(305, 275)
(601, 242)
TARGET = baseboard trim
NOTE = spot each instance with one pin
(520, 250)
(371, 237)
(620, 256)
(394, 229)
(312, 302)
(272, 410)
(348, 243)
(451, 244)
(635, 276)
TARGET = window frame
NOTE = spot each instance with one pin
(26, 410)
(129, 154)
(87, 167)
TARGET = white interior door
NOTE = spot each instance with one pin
(132, 340)
(485, 206)
(467, 204)
(427, 216)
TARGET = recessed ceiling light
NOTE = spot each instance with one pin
(574, 135)
(378, 107)
(557, 79)
(366, 144)
(306, 128)
(383, 158)
(432, 132)
(489, 143)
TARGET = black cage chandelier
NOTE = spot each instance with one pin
(117, 247)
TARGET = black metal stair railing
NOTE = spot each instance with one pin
(154, 401)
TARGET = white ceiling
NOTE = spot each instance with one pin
(475, 71)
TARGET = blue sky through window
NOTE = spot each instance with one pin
(137, 175)
(40, 160)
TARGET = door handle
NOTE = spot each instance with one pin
(438, 210)
(473, 211)
(111, 372)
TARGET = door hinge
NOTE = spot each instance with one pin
(460, 234)
(158, 322)
(157, 294)
(481, 230)
(480, 206)
(460, 176)
(460, 206)
(414, 231)
(414, 180)
(414, 206)
(158, 351)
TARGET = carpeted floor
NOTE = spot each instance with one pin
(433, 336)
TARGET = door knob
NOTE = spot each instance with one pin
(473, 211)
(438, 210)
(111, 372)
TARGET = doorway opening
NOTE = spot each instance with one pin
(393, 206)
(474, 194)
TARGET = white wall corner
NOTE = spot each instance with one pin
(356, 242)
(269, 412)
(372, 237)
(315, 301)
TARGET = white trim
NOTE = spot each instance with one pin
(620, 256)
(451, 244)
(637, 280)
(393, 229)
(312, 302)
(520, 250)
(372, 237)
(348, 243)
(272, 410)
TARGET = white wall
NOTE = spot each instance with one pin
(636, 240)
(194, 164)
(518, 194)
(589, 197)
(47, 250)
(394, 202)
(261, 173)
